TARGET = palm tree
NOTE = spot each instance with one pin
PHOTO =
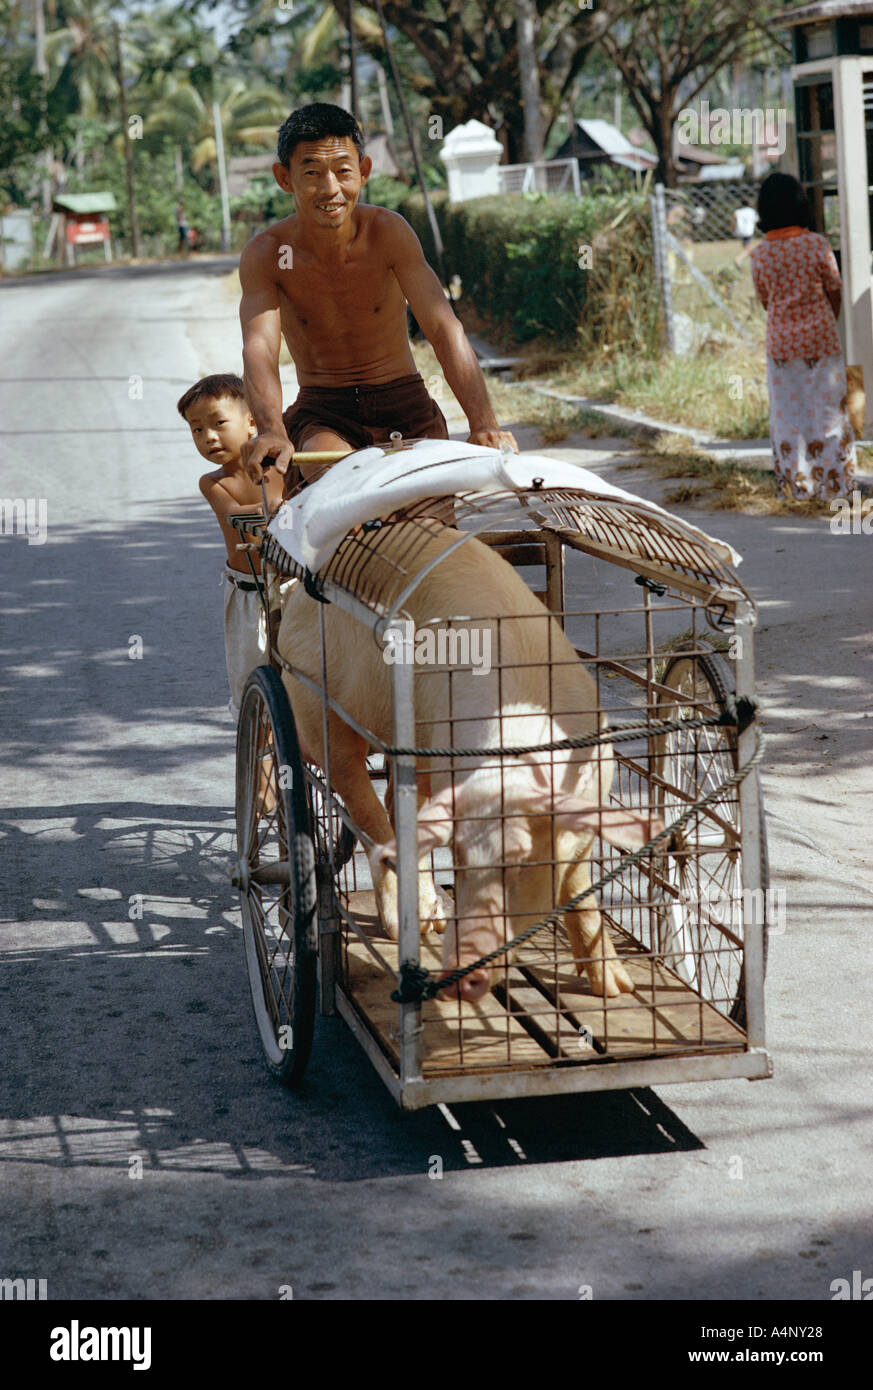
(249, 115)
(80, 57)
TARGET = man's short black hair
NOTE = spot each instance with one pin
(314, 123)
(782, 202)
(212, 388)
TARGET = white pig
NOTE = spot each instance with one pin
(522, 828)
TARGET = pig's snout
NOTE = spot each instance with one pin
(473, 986)
(476, 939)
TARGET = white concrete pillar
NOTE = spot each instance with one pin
(471, 154)
(854, 179)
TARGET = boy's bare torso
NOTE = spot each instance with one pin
(344, 320)
(233, 492)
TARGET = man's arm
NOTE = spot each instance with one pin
(262, 337)
(446, 335)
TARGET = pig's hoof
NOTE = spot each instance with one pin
(609, 979)
(435, 910)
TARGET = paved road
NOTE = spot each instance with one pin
(127, 1038)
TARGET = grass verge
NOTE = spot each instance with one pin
(720, 486)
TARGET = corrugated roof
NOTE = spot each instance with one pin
(640, 160)
(607, 136)
(825, 9)
(85, 202)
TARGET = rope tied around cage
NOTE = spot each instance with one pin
(415, 983)
(738, 714)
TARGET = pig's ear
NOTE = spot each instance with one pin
(621, 826)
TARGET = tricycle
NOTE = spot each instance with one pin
(654, 611)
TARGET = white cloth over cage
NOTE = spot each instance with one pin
(371, 483)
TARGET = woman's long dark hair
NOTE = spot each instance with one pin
(783, 203)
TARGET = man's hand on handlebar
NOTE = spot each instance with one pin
(493, 439)
(271, 445)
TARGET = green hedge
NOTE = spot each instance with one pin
(518, 259)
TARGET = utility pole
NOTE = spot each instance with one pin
(353, 66)
(386, 105)
(222, 177)
(40, 67)
(529, 77)
(413, 145)
(128, 152)
(353, 79)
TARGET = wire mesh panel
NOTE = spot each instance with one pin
(549, 747)
(544, 176)
(651, 964)
(705, 228)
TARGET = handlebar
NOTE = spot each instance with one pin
(316, 456)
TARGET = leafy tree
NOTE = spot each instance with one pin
(33, 119)
(81, 56)
(33, 116)
(459, 58)
(182, 112)
(156, 198)
(669, 51)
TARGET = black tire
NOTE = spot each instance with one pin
(704, 864)
(276, 876)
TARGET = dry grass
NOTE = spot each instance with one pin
(514, 403)
(719, 486)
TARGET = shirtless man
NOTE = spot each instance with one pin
(334, 279)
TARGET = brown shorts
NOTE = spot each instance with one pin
(366, 415)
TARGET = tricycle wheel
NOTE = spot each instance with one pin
(276, 875)
(700, 926)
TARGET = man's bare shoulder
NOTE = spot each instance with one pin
(387, 224)
(262, 249)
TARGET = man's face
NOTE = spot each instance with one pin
(325, 177)
(219, 428)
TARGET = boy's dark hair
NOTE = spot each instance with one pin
(782, 202)
(212, 388)
(314, 123)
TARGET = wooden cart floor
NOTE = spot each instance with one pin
(565, 1022)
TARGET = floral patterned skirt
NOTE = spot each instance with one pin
(813, 442)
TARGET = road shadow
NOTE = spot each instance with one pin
(127, 1030)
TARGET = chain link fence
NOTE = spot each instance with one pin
(545, 176)
(702, 265)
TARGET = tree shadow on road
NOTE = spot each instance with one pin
(127, 1009)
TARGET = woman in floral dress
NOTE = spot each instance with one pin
(797, 281)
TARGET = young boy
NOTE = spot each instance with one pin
(218, 413)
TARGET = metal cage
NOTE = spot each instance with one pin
(665, 629)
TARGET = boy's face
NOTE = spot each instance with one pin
(220, 427)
